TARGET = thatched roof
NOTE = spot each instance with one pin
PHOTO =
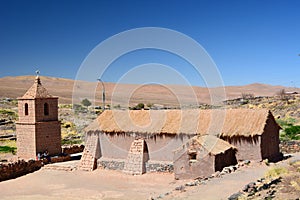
(36, 91)
(228, 123)
(213, 144)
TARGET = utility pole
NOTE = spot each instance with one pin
(103, 94)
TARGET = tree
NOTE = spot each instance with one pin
(283, 95)
(86, 102)
(247, 95)
(150, 105)
(140, 106)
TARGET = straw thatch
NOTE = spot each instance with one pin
(212, 144)
(227, 123)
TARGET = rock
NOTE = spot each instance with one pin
(247, 162)
(190, 184)
(180, 188)
(250, 187)
(235, 196)
(222, 173)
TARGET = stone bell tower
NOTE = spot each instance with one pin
(38, 128)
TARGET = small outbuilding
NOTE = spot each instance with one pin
(201, 156)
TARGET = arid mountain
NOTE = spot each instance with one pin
(172, 95)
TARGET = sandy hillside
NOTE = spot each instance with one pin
(13, 87)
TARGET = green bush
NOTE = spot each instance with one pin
(9, 113)
(139, 106)
(7, 149)
(86, 102)
(293, 132)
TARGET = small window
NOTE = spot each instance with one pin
(46, 109)
(26, 108)
(193, 156)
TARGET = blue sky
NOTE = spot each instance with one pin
(250, 41)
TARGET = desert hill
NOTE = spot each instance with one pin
(13, 87)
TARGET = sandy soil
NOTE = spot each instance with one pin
(99, 184)
(103, 184)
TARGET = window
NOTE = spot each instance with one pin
(46, 109)
(26, 108)
(193, 156)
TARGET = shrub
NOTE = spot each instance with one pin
(276, 172)
(293, 132)
(86, 102)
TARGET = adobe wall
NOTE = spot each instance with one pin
(160, 148)
(19, 168)
(48, 137)
(71, 149)
(53, 109)
(270, 141)
(26, 141)
(225, 159)
(186, 169)
(248, 147)
(30, 118)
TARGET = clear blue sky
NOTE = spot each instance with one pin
(250, 41)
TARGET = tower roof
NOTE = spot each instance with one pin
(36, 91)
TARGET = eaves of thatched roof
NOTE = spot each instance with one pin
(219, 122)
(212, 144)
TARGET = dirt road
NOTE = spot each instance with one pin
(104, 184)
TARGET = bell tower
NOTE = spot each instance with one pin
(38, 127)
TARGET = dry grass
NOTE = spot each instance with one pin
(213, 144)
(276, 172)
(231, 122)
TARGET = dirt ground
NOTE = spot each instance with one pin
(104, 184)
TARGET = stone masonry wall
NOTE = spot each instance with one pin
(292, 146)
(19, 168)
(135, 163)
(156, 166)
(111, 164)
(70, 149)
(151, 166)
(91, 153)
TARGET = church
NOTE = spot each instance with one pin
(38, 128)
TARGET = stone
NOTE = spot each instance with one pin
(191, 184)
(235, 196)
(247, 162)
(180, 188)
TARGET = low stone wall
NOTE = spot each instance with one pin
(112, 164)
(156, 166)
(151, 166)
(19, 168)
(72, 149)
(60, 159)
(292, 146)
